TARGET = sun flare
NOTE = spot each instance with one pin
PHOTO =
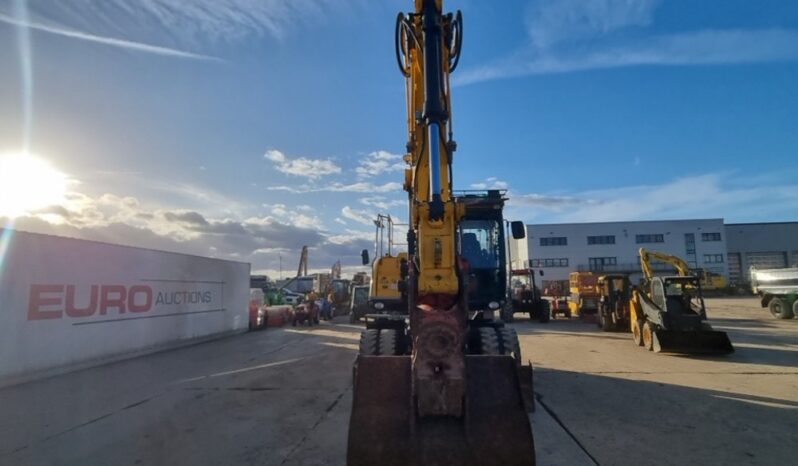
(28, 183)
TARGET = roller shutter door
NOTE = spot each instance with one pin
(766, 260)
(735, 268)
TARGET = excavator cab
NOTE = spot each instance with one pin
(482, 241)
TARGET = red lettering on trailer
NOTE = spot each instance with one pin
(37, 299)
(131, 298)
(106, 301)
(74, 311)
(53, 301)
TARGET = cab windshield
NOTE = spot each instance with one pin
(480, 243)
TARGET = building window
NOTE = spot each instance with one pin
(599, 263)
(710, 236)
(641, 239)
(609, 239)
(713, 258)
(561, 262)
(554, 241)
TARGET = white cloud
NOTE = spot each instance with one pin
(129, 221)
(379, 162)
(360, 187)
(382, 202)
(734, 197)
(574, 35)
(491, 183)
(304, 167)
(200, 20)
(361, 216)
(553, 21)
(114, 42)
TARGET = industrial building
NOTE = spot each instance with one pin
(727, 249)
(760, 245)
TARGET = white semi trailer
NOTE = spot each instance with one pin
(778, 290)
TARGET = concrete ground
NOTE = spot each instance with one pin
(626, 405)
(283, 396)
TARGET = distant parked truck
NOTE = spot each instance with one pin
(778, 290)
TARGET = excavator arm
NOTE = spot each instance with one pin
(647, 256)
(418, 397)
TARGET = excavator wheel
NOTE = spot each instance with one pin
(388, 342)
(369, 342)
(637, 333)
(510, 344)
(488, 341)
(648, 336)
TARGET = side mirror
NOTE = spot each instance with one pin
(518, 230)
(364, 255)
(541, 272)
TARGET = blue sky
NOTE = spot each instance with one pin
(246, 129)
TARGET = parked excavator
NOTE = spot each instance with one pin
(443, 386)
(668, 314)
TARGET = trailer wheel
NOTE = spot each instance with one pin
(779, 309)
(368, 342)
(648, 336)
(637, 333)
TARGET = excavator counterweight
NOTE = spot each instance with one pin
(441, 387)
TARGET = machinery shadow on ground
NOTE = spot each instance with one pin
(622, 421)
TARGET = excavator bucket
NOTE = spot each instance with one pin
(384, 430)
(696, 342)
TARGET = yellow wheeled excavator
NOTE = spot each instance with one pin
(668, 313)
(446, 385)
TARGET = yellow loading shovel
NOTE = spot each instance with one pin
(494, 428)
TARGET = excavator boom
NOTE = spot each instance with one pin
(437, 390)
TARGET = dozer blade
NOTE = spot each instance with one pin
(696, 342)
(383, 428)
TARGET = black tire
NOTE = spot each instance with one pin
(388, 342)
(488, 341)
(544, 314)
(637, 333)
(648, 336)
(507, 313)
(510, 343)
(369, 342)
(779, 309)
